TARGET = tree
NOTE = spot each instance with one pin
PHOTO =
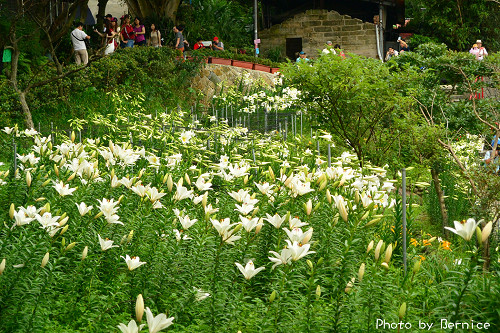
(457, 23)
(357, 99)
(148, 8)
(26, 20)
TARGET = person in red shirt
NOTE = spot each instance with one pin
(199, 44)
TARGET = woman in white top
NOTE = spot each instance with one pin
(478, 50)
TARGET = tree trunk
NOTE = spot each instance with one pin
(28, 121)
(440, 194)
(101, 5)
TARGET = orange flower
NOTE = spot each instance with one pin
(392, 228)
(414, 242)
(422, 258)
(445, 245)
(425, 242)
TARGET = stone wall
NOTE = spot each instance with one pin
(212, 75)
(315, 27)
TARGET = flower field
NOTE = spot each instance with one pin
(209, 228)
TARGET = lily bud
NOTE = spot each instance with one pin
(121, 198)
(365, 215)
(370, 247)
(402, 311)
(64, 230)
(349, 286)
(254, 212)
(377, 249)
(320, 261)
(70, 246)
(328, 196)
(170, 183)
(416, 266)
(12, 210)
(342, 210)
(73, 136)
(479, 235)
(28, 179)
(164, 180)
(2, 266)
(70, 178)
(259, 226)
(140, 173)
(45, 183)
(45, 260)
(84, 252)
(322, 185)
(139, 308)
(237, 228)
(356, 197)
(308, 207)
(388, 253)
(385, 265)
(486, 231)
(310, 264)
(372, 222)
(39, 199)
(204, 200)
(63, 221)
(272, 297)
(361, 272)
(318, 292)
(288, 181)
(432, 239)
(130, 235)
(180, 182)
(245, 180)
(188, 180)
(56, 170)
(98, 215)
(271, 173)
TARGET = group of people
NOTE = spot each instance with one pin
(478, 50)
(403, 47)
(329, 49)
(130, 35)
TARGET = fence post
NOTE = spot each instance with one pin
(403, 185)
(39, 130)
(329, 156)
(80, 136)
(14, 146)
(301, 124)
(286, 128)
(52, 133)
(265, 121)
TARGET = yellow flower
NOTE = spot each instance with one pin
(422, 258)
(414, 242)
(425, 242)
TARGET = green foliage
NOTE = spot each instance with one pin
(457, 23)
(358, 100)
(225, 19)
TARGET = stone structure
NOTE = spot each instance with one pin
(211, 75)
(310, 30)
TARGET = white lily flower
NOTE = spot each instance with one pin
(297, 250)
(182, 193)
(186, 222)
(275, 220)
(297, 235)
(249, 224)
(131, 327)
(200, 294)
(466, 230)
(83, 209)
(210, 210)
(106, 244)
(244, 209)
(283, 258)
(46, 220)
(153, 194)
(295, 222)
(202, 184)
(179, 235)
(133, 262)
(21, 219)
(30, 211)
(140, 190)
(62, 189)
(249, 270)
(158, 323)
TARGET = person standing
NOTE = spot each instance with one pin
(180, 42)
(127, 36)
(78, 37)
(217, 45)
(479, 51)
(154, 37)
(391, 53)
(140, 32)
(329, 48)
(108, 36)
(302, 57)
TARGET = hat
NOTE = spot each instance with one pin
(216, 38)
(329, 42)
(479, 41)
(302, 52)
